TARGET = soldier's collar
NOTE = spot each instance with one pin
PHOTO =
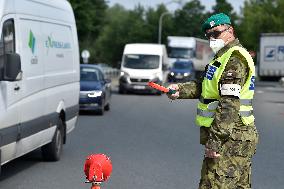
(233, 43)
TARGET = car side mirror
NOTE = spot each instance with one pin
(11, 69)
(107, 80)
(165, 67)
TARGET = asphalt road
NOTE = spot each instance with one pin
(153, 144)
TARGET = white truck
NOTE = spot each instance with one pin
(189, 48)
(271, 57)
(39, 77)
(141, 63)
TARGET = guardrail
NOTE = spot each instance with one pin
(111, 72)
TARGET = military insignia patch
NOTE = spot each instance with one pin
(210, 72)
(212, 23)
(229, 74)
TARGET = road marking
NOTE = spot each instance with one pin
(259, 92)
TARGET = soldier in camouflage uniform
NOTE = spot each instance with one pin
(227, 130)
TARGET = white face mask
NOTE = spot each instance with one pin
(216, 44)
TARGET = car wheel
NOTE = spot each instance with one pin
(101, 111)
(0, 163)
(107, 107)
(52, 151)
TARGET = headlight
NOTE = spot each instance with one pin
(186, 74)
(95, 94)
(172, 73)
(122, 73)
(156, 77)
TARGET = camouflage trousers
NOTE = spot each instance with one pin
(232, 170)
(226, 173)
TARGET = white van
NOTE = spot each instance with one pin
(39, 77)
(142, 63)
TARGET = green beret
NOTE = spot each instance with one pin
(216, 20)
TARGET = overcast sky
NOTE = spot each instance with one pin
(130, 4)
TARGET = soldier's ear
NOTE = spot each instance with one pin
(231, 30)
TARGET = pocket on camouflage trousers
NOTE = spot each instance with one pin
(242, 142)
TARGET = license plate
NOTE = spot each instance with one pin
(179, 76)
(139, 87)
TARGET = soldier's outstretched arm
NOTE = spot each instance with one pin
(188, 90)
(235, 75)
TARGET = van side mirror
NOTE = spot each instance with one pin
(165, 67)
(11, 70)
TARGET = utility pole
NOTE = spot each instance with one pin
(180, 2)
(160, 26)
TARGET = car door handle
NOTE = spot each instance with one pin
(17, 88)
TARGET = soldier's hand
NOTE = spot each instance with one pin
(211, 154)
(175, 95)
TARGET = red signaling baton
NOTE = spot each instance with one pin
(161, 88)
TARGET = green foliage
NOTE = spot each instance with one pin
(225, 7)
(189, 19)
(260, 16)
(105, 30)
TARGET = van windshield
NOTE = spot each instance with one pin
(180, 52)
(183, 65)
(141, 61)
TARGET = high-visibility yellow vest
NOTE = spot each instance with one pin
(210, 96)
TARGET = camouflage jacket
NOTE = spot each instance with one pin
(226, 117)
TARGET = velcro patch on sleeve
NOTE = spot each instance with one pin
(230, 90)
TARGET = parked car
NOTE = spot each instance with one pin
(95, 89)
(181, 71)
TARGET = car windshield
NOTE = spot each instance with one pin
(89, 74)
(141, 61)
(183, 65)
(180, 52)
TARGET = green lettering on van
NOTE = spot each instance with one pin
(50, 43)
(32, 41)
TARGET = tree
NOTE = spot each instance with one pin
(260, 16)
(152, 23)
(189, 19)
(225, 7)
(90, 18)
(109, 45)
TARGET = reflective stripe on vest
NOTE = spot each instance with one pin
(205, 113)
(210, 96)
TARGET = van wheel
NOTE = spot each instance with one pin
(52, 151)
(121, 90)
(159, 93)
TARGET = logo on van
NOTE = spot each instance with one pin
(50, 43)
(32, 41)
